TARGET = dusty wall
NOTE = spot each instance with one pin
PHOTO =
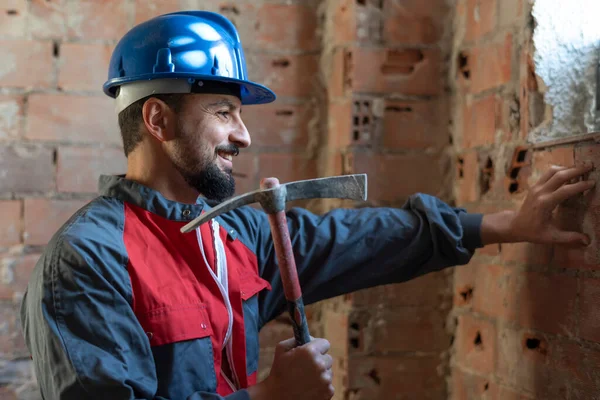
(347, 78)
(383, 64)
(525, 315)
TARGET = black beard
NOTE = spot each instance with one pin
(208, 179)
(211, 181)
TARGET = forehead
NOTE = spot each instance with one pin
(213, 100)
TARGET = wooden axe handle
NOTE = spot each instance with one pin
(288, 271)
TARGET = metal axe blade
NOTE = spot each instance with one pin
(349, 187)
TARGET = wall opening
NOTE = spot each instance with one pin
(566, 57)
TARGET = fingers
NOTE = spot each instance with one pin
(570, 238)
(327, 379)
(285, 346)
(320, 345)
(550, 173)
(563, 176)
(327, 361)
(567, 191)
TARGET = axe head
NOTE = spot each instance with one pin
(273, 197)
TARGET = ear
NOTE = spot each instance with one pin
(159, 119)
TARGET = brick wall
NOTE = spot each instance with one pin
(524, 315)
(388, 116)
(430, 96)
(347, 77)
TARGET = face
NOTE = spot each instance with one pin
(209, 134)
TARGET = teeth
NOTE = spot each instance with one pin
(226, 156)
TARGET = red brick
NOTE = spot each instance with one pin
(387, 377)
(380, 167)
(588, 154)
(412, 125)
(480, 122)
(467, 185)
(343, 21)
(391, 333)
(578, 219)
(287, 125)
(26, 168)
(340, 81)
(476, 344)
(466, 386)
(78, 168)
(589, 324)
(13, 14)
(555, 368)
(491, 65)
(336, 330)
(83, 66)
(413, 22)
(12, 224)
(147, 9)
(517, 365)
(465, 278)
(527, 253)
(540, 293)
(286, 167)
(495, 291)
(48, 19)
(70, 118)
(406, 71)
(43, 217)
(16, 272)
(481, 18)
(296, 29)
(427, 290)
(11, 116)
(26, 64)
(562, 156)
(287, 75)
(91, 19)
(244, 170)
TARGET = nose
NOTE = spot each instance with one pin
(240, 136)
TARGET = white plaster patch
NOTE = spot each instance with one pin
(8, 64)
(567, 45)
(7, 271)
(9, 116)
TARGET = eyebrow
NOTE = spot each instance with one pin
(224, 102)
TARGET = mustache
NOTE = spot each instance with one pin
(229, 148)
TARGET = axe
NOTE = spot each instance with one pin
(272, 197)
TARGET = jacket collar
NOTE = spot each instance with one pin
(149, 199)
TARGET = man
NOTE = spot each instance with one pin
(123, 306)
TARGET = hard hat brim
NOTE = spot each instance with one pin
(251, 92)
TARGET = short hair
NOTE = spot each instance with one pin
(130, 119)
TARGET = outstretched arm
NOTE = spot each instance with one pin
(347, 250)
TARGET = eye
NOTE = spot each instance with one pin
(224, 114)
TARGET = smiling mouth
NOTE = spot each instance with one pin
(227, 156)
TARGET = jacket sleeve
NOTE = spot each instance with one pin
(350, 249)
(84, 338)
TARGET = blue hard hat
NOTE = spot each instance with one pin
(173, 52)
